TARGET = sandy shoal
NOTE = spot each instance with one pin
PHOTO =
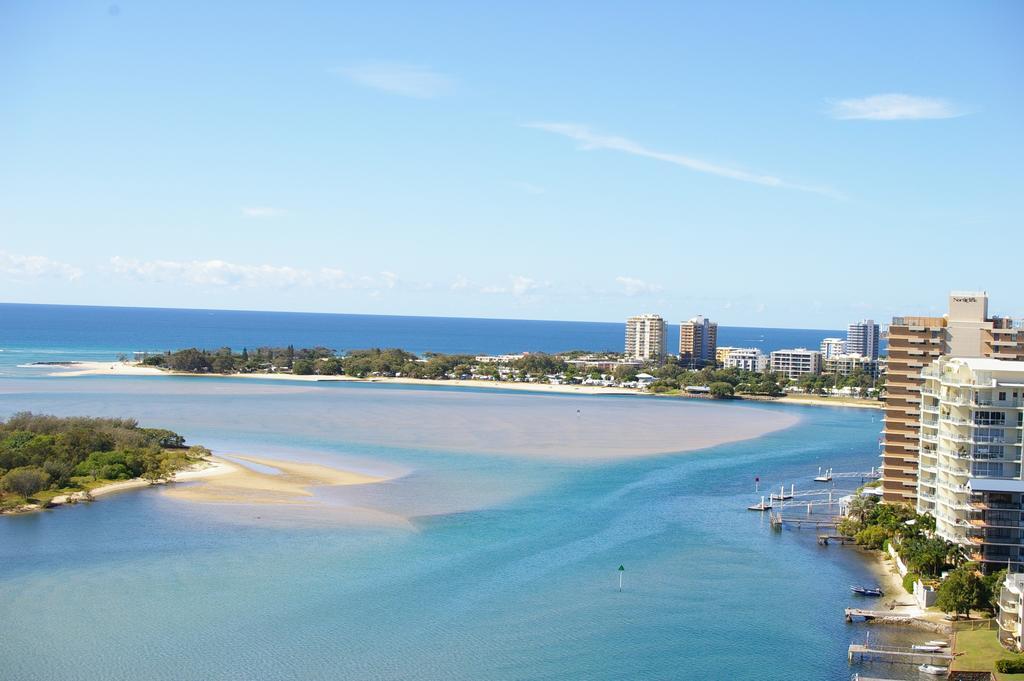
(289, 485)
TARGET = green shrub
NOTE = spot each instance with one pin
(908, 581)
(1010, 666)
(872, 536)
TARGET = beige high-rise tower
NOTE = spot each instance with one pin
(914, 343)
(645, 338)
(698, 339)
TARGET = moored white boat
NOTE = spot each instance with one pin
(933, 669)
(926, 648)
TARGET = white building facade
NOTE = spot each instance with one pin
(795, 362)
(645, 338)
(748, 359)
(969, 465)
(832, 347)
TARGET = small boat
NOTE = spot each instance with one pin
(925, 648)
(933, 669)
(824, 477)
(762, 506)
(873, 591)
(937, 642)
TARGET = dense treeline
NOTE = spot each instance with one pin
(669, 376)
(723, 382)
(48, 453)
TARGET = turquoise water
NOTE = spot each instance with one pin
(507, 569)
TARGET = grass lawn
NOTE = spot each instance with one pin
(980, 651)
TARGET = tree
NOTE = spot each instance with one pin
(991, 584)
(960, 591)
(721, 390)
(873, 537)
(625, 374)
(190, 359)
(25, 481)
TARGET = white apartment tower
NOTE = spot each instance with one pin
(862, 338)
(832, 347)
(969, 470)
(645, 338)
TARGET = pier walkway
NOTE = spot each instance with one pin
(859, 651)
(852, 613)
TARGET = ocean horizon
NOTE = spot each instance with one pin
(33, 333)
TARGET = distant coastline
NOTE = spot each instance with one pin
(76, 368)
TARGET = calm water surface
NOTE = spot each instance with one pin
(508, 570)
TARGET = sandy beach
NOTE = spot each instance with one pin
(74, 369)
(206, 469)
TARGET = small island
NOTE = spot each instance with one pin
(48, 460)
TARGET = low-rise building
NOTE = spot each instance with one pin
(1011, 603)
(721, 352)
(749, 359)
(795, 362)
(847, 365)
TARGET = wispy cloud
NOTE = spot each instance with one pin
(262, 212)
(407, 80)
(221, 273)
(894, 107)
(518, 286)
(17, 266)
(590, 140)
(635, 287)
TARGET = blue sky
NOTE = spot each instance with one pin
(766, 164)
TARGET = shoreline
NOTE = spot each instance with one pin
(74, 369)
(207, 468)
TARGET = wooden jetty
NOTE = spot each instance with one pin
(853, 613)
(824, 539)
(860, 651)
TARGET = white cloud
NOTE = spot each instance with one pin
(590, 140)
(262, 212)
(518, 286)
(523, 285)
(634, 287)
(407, 80)
(894, 107)
(19, 266)
(234, 275)
(461, 283)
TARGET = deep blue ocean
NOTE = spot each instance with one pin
(60, 332)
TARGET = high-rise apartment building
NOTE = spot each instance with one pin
(698, 339)
(795, 363)
(831, 347)
(969, 475)
(915, 342)
(862, 338)
(645, 338)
